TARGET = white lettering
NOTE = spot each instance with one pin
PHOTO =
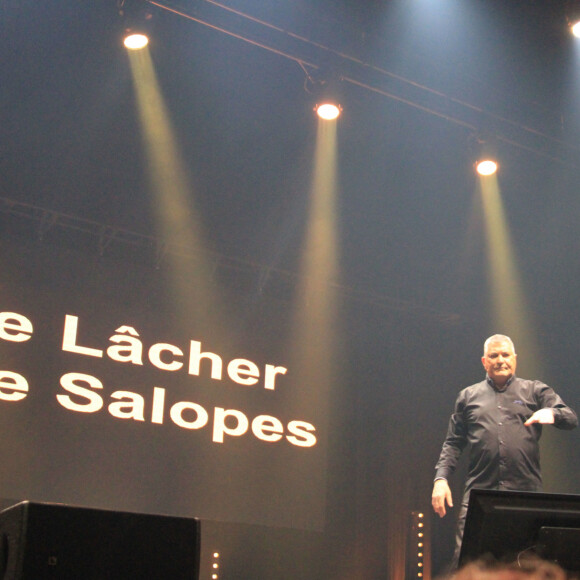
(127, 330)
(69, 383)
(219, 424)
(13, 387)
(158, 407)
(15, 327)
(201, 416)
(69, 339)
(267, 428)
(302, 435)
(131, 406)
(270, 376)
(195, 356)
(82, 398)
(239, 367)
(155, 357)
(128, 349)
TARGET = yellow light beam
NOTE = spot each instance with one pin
(510, 313)
(512, 316)
(315, 311)
(177, 221)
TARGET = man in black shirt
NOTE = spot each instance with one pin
(501, 419)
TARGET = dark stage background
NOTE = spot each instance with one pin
(100, 429)
(79, 237)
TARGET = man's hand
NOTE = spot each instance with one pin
(543, 416)
(441, 494)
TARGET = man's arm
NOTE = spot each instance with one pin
(453, 446)
(552, 410)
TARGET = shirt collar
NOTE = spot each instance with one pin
(494, 386)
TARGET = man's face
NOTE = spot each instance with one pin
(499, 361)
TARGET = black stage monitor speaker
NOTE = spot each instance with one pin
(509, 525)
(41, 540)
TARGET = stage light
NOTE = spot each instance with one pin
(486, 167)
(422, 562)
(215, 566)
(483, 149)
(328, 110)
(136, 23)
(573, 17)
(324, 85)
(135, 40)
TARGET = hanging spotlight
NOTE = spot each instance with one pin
(486, 167)
(324, 86)
(573, 17)
(328, 110)
(135, 40)
(483, 148)
(136, 21)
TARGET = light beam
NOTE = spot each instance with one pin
(177, 220)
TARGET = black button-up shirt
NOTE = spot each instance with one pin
(504, 454)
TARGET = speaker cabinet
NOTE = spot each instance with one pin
(40, 541)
